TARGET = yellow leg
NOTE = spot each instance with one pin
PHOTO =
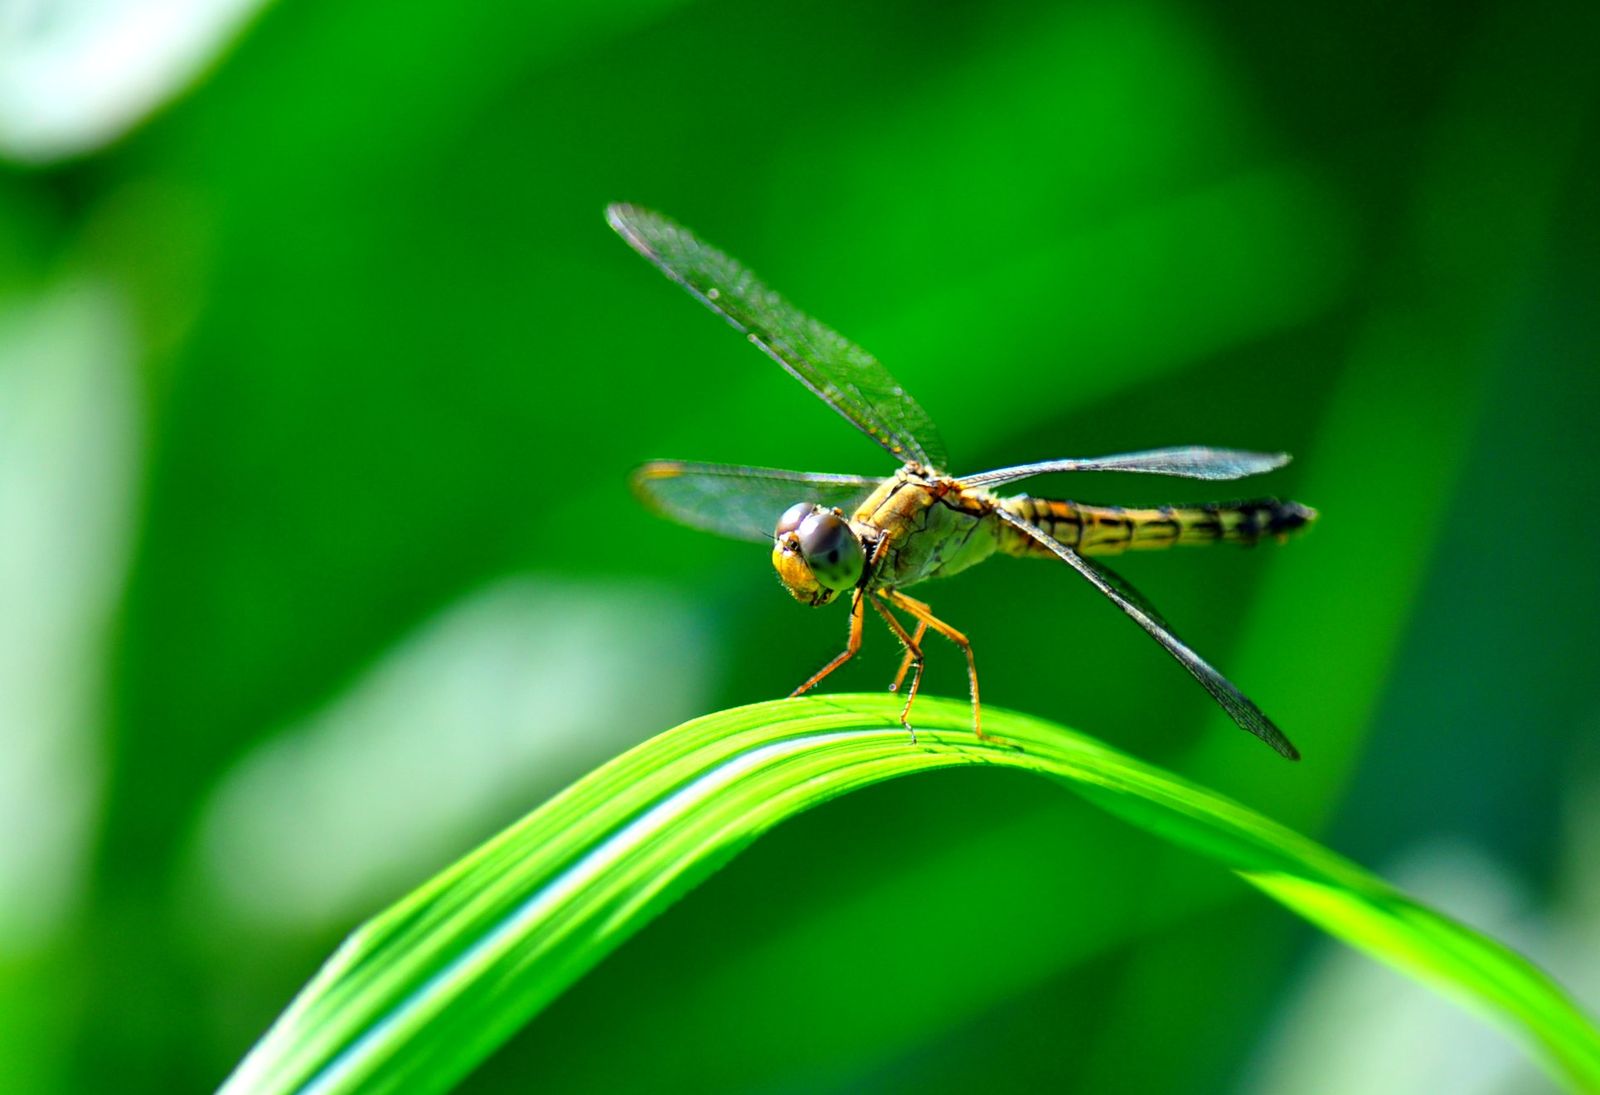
(925, 618)
(914, 653)
(905, 662)
(857, 608)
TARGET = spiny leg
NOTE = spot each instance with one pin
(857, 611)
(914, 652)
(905, 662)
(925, 618)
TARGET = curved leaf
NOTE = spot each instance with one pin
(425, 991)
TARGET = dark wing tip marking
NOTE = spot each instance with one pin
(658, 469)
(641, 478)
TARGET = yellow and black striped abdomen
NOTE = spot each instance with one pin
(1110, 530)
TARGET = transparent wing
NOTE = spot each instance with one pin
(744, 503)
(845, 376)
(1190, 462)
(1125, 597)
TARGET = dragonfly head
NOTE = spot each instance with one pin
(815, 553)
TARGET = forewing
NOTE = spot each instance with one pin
(845, 376)
(1189, 462)
(1125, 597)
(744, 503)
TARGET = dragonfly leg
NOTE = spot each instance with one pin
(857, 609)
(905, 662)
(925, 618)
(913, 655)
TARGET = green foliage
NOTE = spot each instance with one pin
(421, 994)
(321, 380)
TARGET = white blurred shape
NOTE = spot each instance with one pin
(1354, 1026)
(75, 74)
(68, 457)
(471, 722)
(1574, 958)
(1578, 899)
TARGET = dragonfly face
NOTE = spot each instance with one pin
(875, 535)
(816, 553)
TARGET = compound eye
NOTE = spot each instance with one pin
(790, 521)
(831, 550)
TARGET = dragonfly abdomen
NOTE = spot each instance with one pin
(1111, 530)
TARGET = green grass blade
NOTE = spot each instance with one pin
(425, 991)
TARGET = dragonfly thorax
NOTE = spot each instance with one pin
(816, 553)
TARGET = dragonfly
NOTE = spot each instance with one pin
(871, 537)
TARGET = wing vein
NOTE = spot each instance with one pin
(840, 373)
(738, 501)
(1187, 461)
(1125, 597)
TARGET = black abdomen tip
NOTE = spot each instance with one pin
(1286, 517)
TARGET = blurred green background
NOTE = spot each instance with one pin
(321, 376)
